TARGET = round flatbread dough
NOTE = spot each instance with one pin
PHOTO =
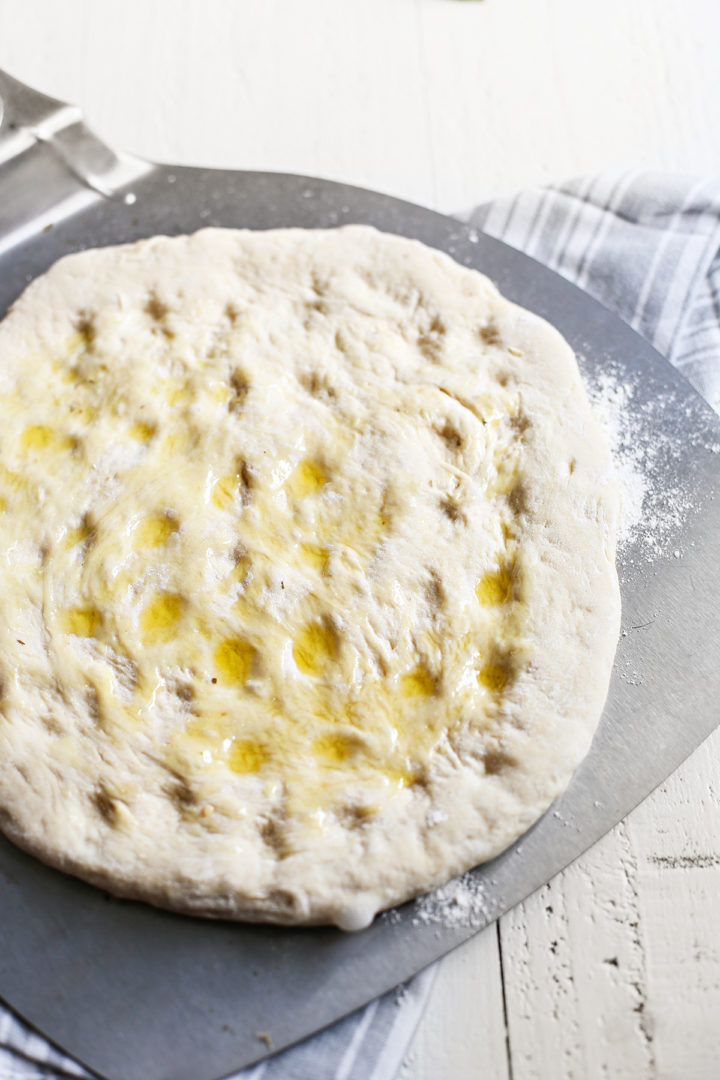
(308, 597)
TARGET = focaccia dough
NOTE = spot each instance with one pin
(307, 587)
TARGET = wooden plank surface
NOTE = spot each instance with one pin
(613, 970)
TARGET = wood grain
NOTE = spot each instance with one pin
(467, 1029)
(441, 102)
(613, 970)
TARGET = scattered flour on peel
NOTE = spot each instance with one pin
(460, 903)
(609, 400)
(656, 497)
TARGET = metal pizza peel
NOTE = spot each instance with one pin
(140, 994)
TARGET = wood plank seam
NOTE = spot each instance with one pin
(508, 1045)
(629, 867)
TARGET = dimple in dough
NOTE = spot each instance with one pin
(308, 591)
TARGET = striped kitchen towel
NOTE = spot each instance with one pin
(645, 245)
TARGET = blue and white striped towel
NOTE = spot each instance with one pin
(647, 246)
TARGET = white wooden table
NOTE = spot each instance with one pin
(613, 970)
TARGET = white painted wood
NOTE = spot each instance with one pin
(613, 970)
(575, 972)
(675, 838)
(449, 103)
(441, 101)
(466, 1034)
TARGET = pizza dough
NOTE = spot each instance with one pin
(308, 599)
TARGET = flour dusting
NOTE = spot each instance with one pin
(648, 438)
(609, 400)
(460, 903)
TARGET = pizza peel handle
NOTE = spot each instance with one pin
(51, 164)
(22, 108)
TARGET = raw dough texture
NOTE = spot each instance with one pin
(308, 598)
